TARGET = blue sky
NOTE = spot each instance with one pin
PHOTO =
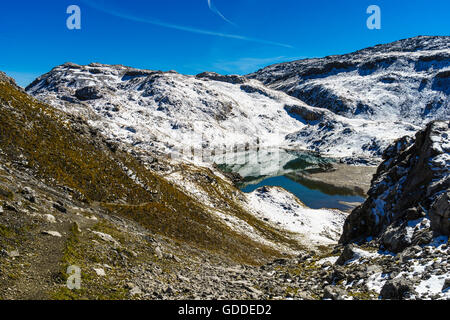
(191, 36)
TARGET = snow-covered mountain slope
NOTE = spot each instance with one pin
(170, 110)
(205, 114)
(408, 80)
(315, 227)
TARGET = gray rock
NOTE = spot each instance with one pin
(334, 293)
(88, 93)
(304, 296)
(28, 194)
(396, 239)
(3, 253)
(10, 207)
(10, 254)
(281, 262)
(235, 79)
(446, 284)
(373, 269)
(422, 237)
(60, 207)
(136, 291)
(397, 289)
(410, 253)
(14, 254)
(254, 290)
(338, 274)
(100, 272)
(440, 214)
(159, 253)
(52, 233)
(346, 255)
(50, 218)
(414, 214)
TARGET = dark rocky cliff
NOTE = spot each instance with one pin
(411, 185)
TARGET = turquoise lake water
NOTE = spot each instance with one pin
(313, 198)
(290, 170)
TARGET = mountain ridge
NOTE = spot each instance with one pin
(180, 103)
(377, 82)
(380, 46)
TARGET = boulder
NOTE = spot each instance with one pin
(50, 218)
(446, 284)
(159, 253)
(334, 293)
(422, 237)
(60, 207)
(14, 254)
(10, 207)
(100, 272)
(52, 233)
(414, 214)
(397, 289)
(440, 214)
(410, 253)
(281, 262)
(346, 255)
(28, 194)
(396, 239)
(338, 274)
(136, 291)
(88, 93)
(306, 112)
(10, 254)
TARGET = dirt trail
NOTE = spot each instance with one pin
(44, 265)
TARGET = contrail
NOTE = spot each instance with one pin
(216, 11)
(182, 28)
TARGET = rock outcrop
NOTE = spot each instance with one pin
(88, 93)
(5, 78)
(409, 197)
(397, 289)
